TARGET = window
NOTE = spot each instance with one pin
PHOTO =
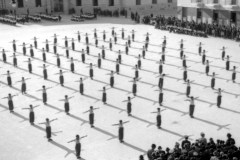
(215, 1)
(111, 2)
(233, 17)
(234, 2)
(138, 2)
(20, 3)
(38, 3)
(154, 1)
(169, 1)
(95, 2)
(199, 13)
(78, 2)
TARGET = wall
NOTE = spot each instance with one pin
(87, 5)
(207, 15)
(224, 17)
(224, 4)
(31, 5)
(147, 8)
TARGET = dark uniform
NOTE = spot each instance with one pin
(129, 108)
(181, 54)
(72, 67)
(83, 57)
(188, 89)
(67, 53)
(4, 57)
(160, 69)
(23, 87)
(163, 57)
(35, 43)
(207, 68)
(99, 62)
(103, 53)
(91, 118)
(184, 62)
(117, 67)
(191, 108)
(185, 75)
(14, 61)
(29, 67)
(91, 72)
(14, 47)
(44, 96)
(139, 63)
(219, 98)
(66, 106)
(87, 40)
(81, 88)
(104, 97)
(24, 50)
(54, 48)
(61, 79)
(123, 34)
(134, 88)
(234, 74)
(79, 37)
(213, 82)
(143, 53)
(31, 116)
(199, 50)
(227, 64)
(203, 58)
(44, 56)
(110, 45)
(31, 52)
(45, 75)
(88, 49)
(58, 61)
(160, 83)
(136, 73)
(47, 47)
(10, 104)
(66, 42)
(160, 98)
(223, 54)
(9, 80)
(126, 49)
(73, 45)
(121, 133)
(112, 80)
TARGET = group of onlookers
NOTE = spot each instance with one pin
(201, 149)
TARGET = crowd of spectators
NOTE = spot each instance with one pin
(49, 17)
(8, 21)
(191, 27)
(201, 149)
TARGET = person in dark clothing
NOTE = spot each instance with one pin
(185, 142)
(150, 152)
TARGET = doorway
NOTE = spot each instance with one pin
(233, 17)
(58, 5)
(215, 16)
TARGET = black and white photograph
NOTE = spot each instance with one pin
(119, 79)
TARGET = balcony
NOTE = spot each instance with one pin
(231, 5)
(213, 4)
(197, 3)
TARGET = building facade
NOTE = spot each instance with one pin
(223, 12)
(143, 7)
